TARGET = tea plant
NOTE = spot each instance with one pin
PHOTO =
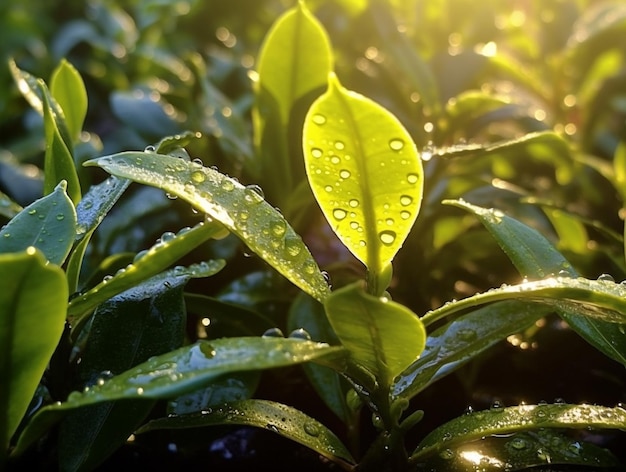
(113, 330)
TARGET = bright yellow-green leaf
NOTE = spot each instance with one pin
(365, 173)
(68, 89)
(619, 164)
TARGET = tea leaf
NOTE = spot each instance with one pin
(68, 89)
(534, 257)
(154, 261)
(242, 210)
(49, 224)
(365, 173)
(517, 418)
(32, 309)
(452, 345)
(276, 417)
(382, 336)
(185, 370)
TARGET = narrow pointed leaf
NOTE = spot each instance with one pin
(59, 162)
(278, 418)
(240, 209)
(535, 257)
(8, 208)
(68, 89)
(382, 336)
(185, 370)
(155, 260)
(32, 316)
(452, 345)
(49, 224)
(365, 173)
(518, 418)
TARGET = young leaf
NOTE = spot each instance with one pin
(59, 162)
(534, 257)
(452, 345)
(32, 316)
(281, 419)
(382, 336)
(294, 62)
(242, 210)
(365, 173)
(185, 370)
(68, 89)
(146, 265)
(517, 418)
(49, 224)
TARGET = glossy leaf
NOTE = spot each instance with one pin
(534, 257)
(144, 321)
(382, 336)
(544, 449)
(240, 209)
(32, 316)
(59, 162)
(517, 418)
(68, 89)
(8, 208)
(452, 345)
(49, 224)
(365, 173)
(90, 211)
(186, 370)
(153, 261)
(278, 418)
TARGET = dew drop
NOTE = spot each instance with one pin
(405, 215)
(166, 237)
(389, 221)
(339, 145)
(60, 217)
(518, 444)
(227, 185)
(310, 268)
(328, 188)
(354, 225)
(317, 153)
(254, 194)
(300, 334)
(319, 119)
(32, 212)
(311, 429)
(406, 200)
(412, 178)
(447, 454)
(353, 203)
(207, 350)
(335, 160)
(387, 237)
(344, 174)
(149, 149)
(273, 333)
(278, 228)
(292, 246)
(106, 278)
(606, 278)
(339, 214)
(197, 176)
(396, 144)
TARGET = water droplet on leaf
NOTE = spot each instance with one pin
(344, 174)
(387, 237)
(197, 176)
(300, 334)
(311, 429)
(339, 214)
(319, 119)
(254, 194)
(396, 144)
(317, 153)
(412, 178)
(273, 333)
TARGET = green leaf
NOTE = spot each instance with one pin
(293, 66)
(240, 209)
(145, 321)
(295, 58)
(365, 173)
(49, 224)
(534, 257)
(32, 316)
(68, 89)
(522, 451)
(517, 418)
(146, 265)
(278, 418)
(8, 208)
(452, 345)
(185, 370)
(90, 212)
(59, 162)
(619, 167)
(382, 336)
